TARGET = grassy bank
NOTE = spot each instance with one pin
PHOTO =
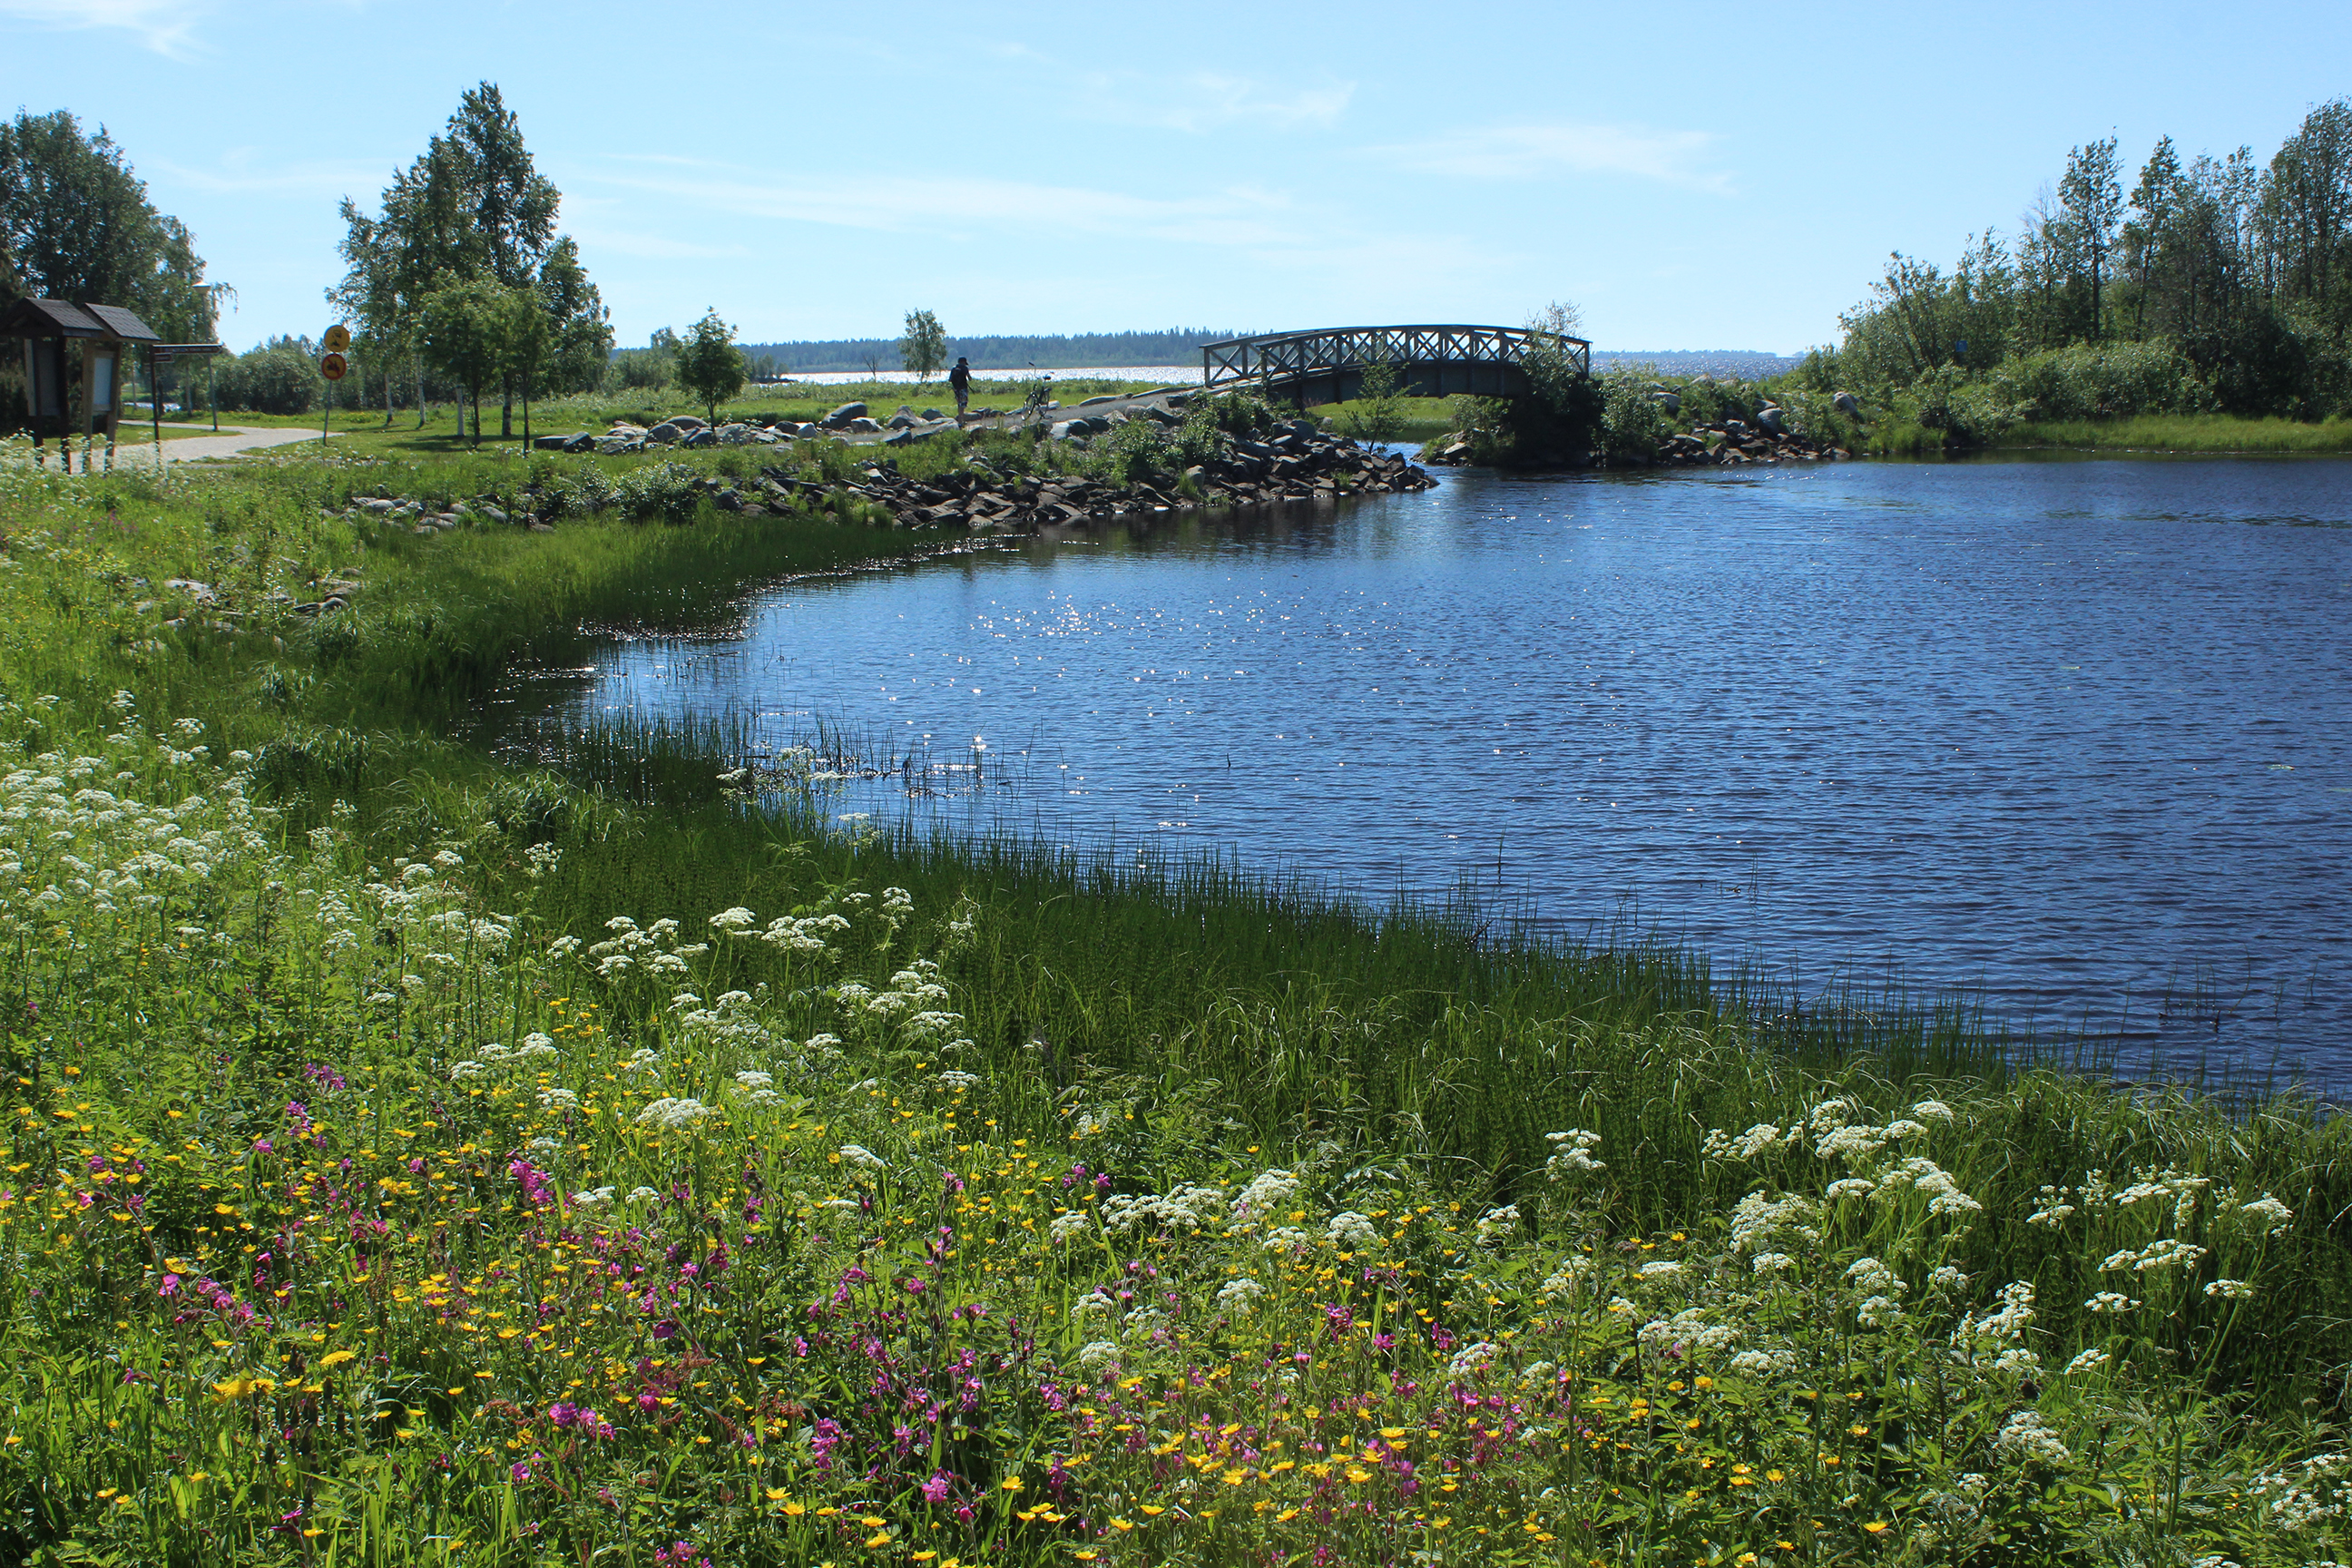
(391, 1180)
(2200, 433)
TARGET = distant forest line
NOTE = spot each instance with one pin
(1085, 351)
(1076, 351)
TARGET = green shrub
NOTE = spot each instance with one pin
(662, 491)
(1633, 424)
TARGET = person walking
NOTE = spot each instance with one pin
(959, 379)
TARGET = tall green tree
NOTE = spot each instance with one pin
(472, 205)
(2091, 197)
(709, 365)
(924, 349)
(526, 334)
(75, 224)
(464, 330)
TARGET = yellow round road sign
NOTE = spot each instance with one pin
(332, 367)
(338, 337)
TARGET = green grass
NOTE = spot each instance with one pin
(1160, 1022)
(2214, 433)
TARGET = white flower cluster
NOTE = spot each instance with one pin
(1073, 1227)
(1757, 1219)
(2165, 1252)
(495, 1057)
(652, 950)
(1099, 1355)
(864, 1159)
(673, 1115)
(1189, 1208)
(2298, 1496)
(1470, 1359)
(1571, 1154)
(1267, 1193)
(1350, 1232)
(788, 934)
(1760, 1139)
(1498, 1226)
(1686, 1332)
(2026, 1438)
(1239, 1295)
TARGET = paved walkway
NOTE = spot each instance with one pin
(232, 440)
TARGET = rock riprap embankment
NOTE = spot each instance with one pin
(1766, 438)
(1293, 462)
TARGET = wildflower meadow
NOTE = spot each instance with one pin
(349, 1219)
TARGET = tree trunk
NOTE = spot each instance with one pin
(420, 394)
(506, 411)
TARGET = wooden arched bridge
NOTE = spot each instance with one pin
(1329, 365)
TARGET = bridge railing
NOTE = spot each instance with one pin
(1276, 357)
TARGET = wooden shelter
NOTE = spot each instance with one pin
(53, 330)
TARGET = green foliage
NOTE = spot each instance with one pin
(1242, 414)
(709, 365)
(75, 224)
(924, 349)
(2239, 274)
(1633, 424)
(280, 377)
(465, 330)
(1379, 416)
(665, 492)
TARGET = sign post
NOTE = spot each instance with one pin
(333, 366)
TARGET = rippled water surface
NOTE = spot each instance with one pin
(2077, 733)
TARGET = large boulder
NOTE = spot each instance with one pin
(1770, 418)
(612, 444)
(584, 442)
(706, 437)
(1845, 403)
(548, 443)
(1672, 402)
(668, 431)
(861, 426)
(844, 415)
(687, 421)
(901, 420)
(734, 435)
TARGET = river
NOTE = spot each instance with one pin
(2072, 735)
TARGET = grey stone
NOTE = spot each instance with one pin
(610, 444)
(1672, 402)
(687, 421)
(702, 437)
(1770, 418)
(1090, 402)
(489, 512)
(899, 421)
(862, 425)
(735, 434)
(375, 504)
(1845, 403)
(548, 443)
(201, 593)
(845, 413)
(584, 442)
(668, 431)
(933, 415)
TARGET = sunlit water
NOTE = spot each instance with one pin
(2077, 736)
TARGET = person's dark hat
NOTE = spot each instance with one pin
(962, 360)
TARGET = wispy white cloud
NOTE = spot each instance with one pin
(249, 172)
(1208, 100)
(1539, 152)
(652, 246)
(166, 26)
(1239, 216)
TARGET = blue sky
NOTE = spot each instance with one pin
(1688, 176)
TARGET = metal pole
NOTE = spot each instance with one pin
(211, 392)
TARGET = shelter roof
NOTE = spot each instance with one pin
(122, 323)
(52, 318)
